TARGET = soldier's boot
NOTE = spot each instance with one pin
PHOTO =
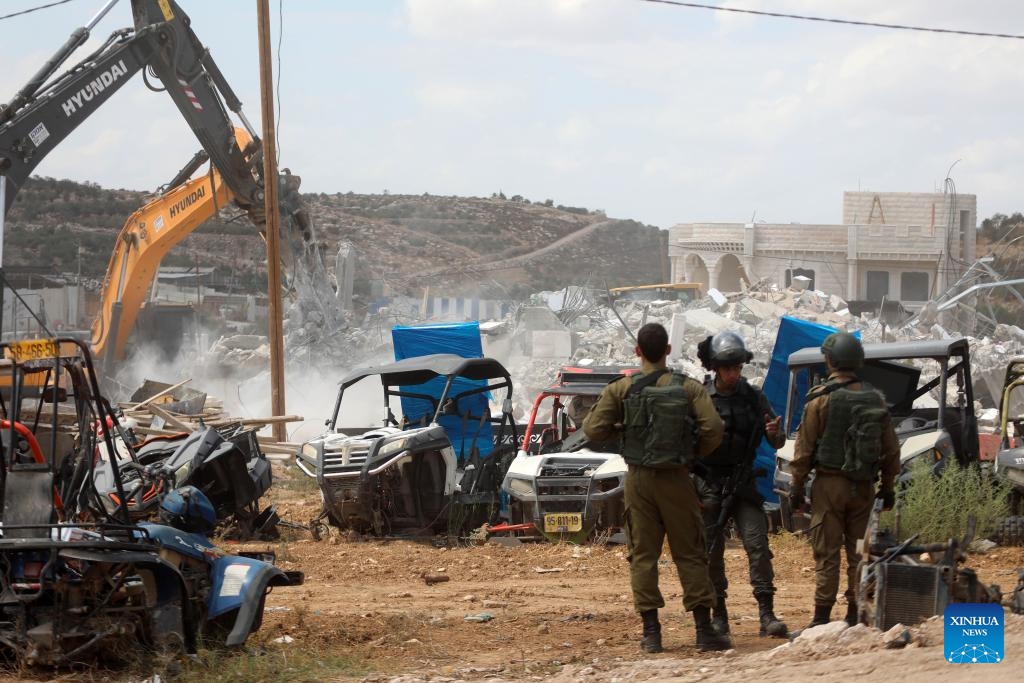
(651, 641)
(708, 639)
(771, 625)
(852, 617)
(822, 615)
(720, 616)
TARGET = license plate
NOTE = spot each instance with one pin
(563, 522)
(34, 349)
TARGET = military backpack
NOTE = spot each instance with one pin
(657, 428)
(852, 442)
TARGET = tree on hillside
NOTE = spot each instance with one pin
(999, 226)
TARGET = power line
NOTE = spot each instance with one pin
(849, 22)
(33, 9)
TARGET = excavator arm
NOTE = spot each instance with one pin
(161, 45)
(47, 109)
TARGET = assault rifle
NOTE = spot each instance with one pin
(734, 484)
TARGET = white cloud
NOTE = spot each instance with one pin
(649, 111)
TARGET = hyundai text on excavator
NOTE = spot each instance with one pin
(47, 109)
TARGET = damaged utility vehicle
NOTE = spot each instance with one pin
(428, 471)
(937, 429)
(563, 485)
(80, 580)
(1009, 461)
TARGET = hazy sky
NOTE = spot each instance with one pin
(653, 112)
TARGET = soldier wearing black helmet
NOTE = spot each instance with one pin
(747, 416)
(846, 436)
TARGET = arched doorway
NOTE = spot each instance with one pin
(695, 270)
(728, 269)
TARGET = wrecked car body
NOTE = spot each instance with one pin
(567, 488)
(938, 430)
(225, 463)
(408, 476)
(81, 581)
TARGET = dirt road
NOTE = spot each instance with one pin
(557, 611)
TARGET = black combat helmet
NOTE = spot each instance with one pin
(726, 349)
(845, 351)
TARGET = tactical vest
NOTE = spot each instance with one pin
(852, 441)
(657, 429)
(739, 415)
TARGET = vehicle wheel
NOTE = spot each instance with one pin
(330, 515)
(1009, 531)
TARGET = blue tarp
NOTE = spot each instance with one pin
(794, 334)
(462, 339)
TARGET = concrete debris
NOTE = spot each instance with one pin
(801, 282)
(719, 299)
(826, 633)
(708, 322)
(576, 326)
(981, 546)
(753, 311)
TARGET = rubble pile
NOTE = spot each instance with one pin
(601, 338)
(576, 327)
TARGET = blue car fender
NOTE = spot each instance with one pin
(241, 583)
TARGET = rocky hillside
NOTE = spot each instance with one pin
(496, 246)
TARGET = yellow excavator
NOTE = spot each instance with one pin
(154, 229)
(145, 239)
(162, 47)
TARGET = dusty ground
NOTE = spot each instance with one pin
(366, 602)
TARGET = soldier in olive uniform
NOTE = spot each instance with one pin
(660, 495)
(846, 436)
(747, 416)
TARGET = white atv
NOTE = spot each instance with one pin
(567, 488)
(409, 476)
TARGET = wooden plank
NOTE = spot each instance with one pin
(274, 448)
(160, 393)
(153, 431)
(250, 422)
(269, 439)
(169, 419)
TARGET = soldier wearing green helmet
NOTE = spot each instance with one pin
(846, 436)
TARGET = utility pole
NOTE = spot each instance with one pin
(276, 328)
(3, 281)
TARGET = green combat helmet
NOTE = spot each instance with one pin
(844, 350)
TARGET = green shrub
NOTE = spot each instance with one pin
(937, 507)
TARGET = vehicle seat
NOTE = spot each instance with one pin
(28, 499)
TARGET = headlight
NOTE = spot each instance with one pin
(181, 473)
(391, 447)
(309, 451)
(520, 487)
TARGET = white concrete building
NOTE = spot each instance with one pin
(905, 246)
